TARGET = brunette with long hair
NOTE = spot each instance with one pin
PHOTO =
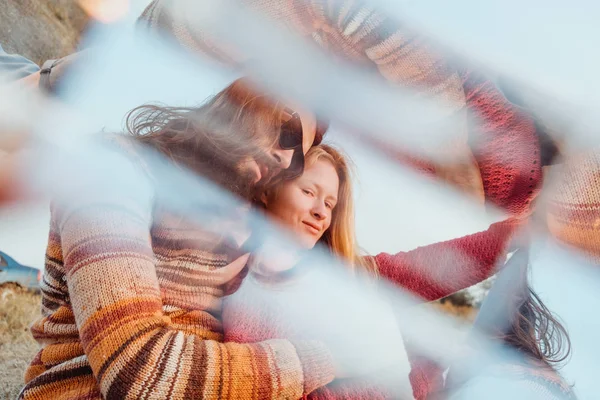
(535, 331)
(234, 126)
(514, 318)
(133, 283)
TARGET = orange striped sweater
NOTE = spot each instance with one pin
(131, 304)
(368, 38)
(497, 141)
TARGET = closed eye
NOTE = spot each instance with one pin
(308, 192)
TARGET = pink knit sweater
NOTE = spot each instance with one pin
(431, 272)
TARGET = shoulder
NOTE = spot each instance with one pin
(105, 169)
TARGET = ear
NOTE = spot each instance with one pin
(264, 198)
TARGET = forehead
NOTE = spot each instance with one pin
(323, 174)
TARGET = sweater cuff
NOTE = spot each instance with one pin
(317, 364)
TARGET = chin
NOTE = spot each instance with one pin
(307, 243)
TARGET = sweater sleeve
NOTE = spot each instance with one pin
(358, 32)
(506, 145)
(440, 269)
(436, 271)
(132, 346)
(409, 60)
(353, 28)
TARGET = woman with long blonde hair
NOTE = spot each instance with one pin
(130, 283)
(317, 208)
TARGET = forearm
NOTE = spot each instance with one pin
(505, 144)
(440, 269)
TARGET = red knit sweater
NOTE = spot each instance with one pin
(507, 150)
(504, 142)
(430, 272)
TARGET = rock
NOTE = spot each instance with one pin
(41, 29)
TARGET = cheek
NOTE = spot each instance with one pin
(285, 208)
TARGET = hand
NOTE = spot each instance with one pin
(229, 272)
(31, 81)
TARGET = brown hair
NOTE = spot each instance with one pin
(516, 316)
(535, 331)
(236, 124)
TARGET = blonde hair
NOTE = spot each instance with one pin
(340, 238)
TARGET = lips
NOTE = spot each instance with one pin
(314, 228)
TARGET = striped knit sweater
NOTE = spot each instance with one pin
(504, 146)
(503, 139)
(573, 210)
(69, 365)
(131, 307)
(253, 313)
(357, 32)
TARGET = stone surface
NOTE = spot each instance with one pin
(41, 29)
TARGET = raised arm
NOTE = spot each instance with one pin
(361, 34)
(132, 346)
(506, 145)
(440, 269)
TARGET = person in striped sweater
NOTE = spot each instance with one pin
(505, 181)
(497, 143)
(132, 290)
(132, 294)
(317, 208)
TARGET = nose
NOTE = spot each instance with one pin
(319, 211)
(282, 158)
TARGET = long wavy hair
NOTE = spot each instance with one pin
(535, 331)
(237, 124)
(516, 316)
(340, 238)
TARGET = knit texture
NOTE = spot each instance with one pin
(360, 34)
(573, 211)
(131, 304)
(150, 335)
(505, 144)
(253, 313)
(503, 161)
(504, 167)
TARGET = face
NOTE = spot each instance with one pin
(279, 159)
(305, 205)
